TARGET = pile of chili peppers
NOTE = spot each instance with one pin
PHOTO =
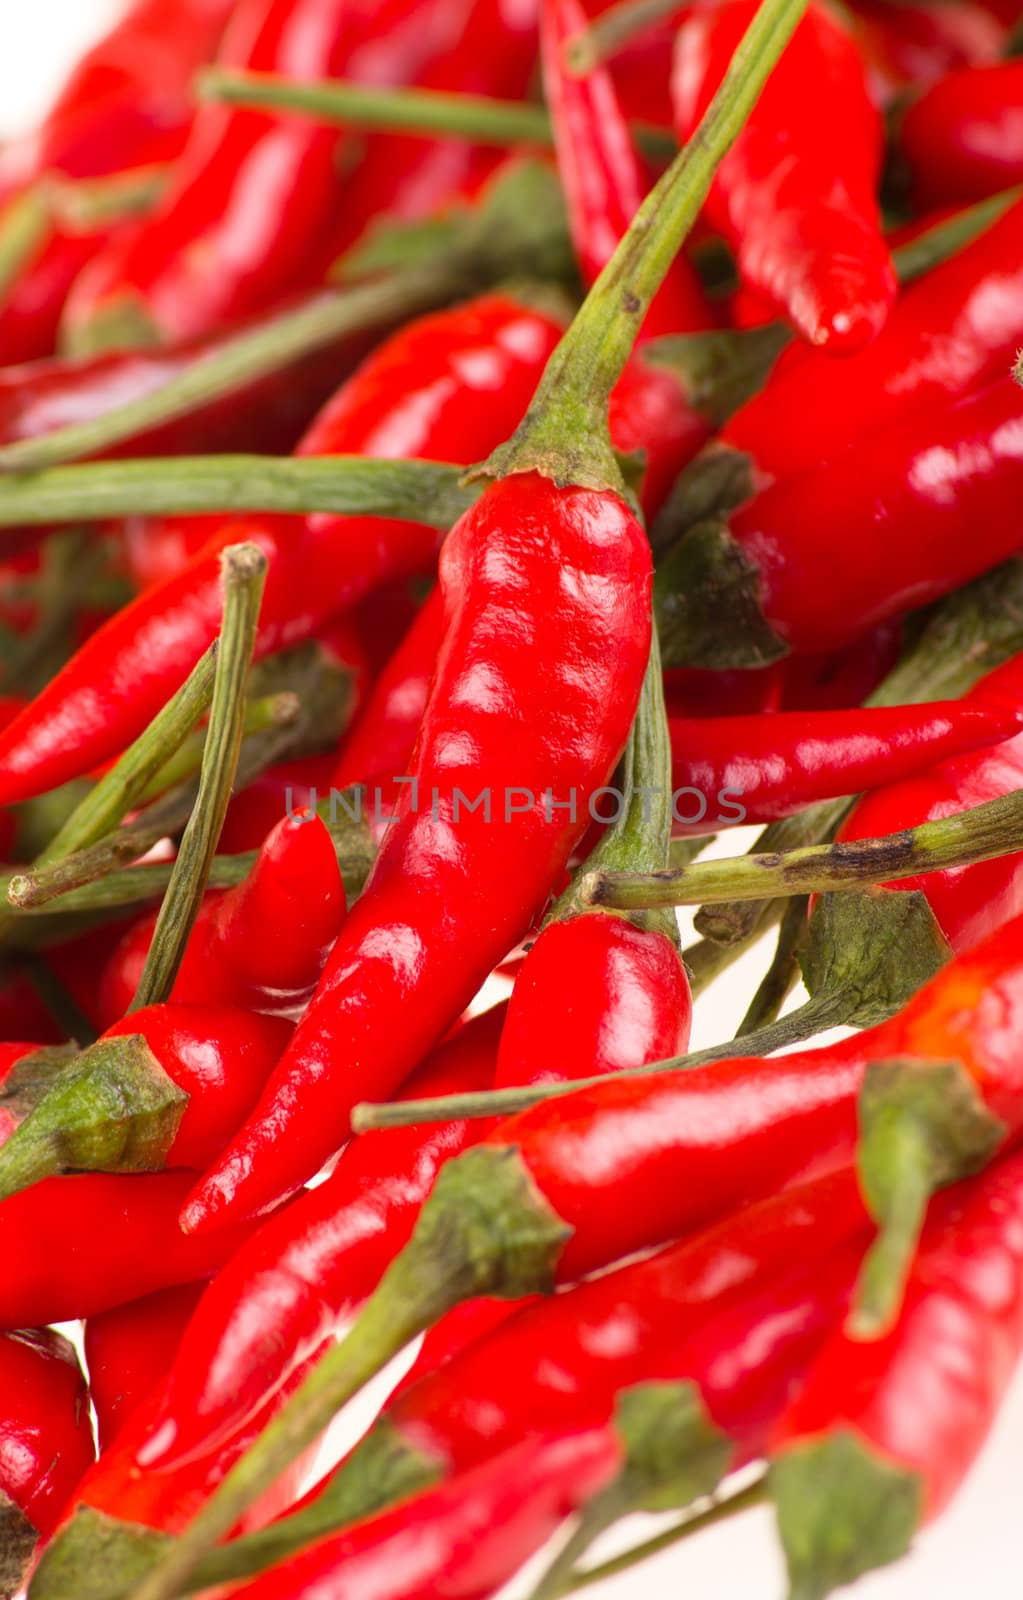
(457, 458)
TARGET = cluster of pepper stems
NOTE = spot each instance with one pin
(408, 405)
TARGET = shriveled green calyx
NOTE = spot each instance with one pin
(485, 1230)
(842, 1511)
(115, 1110)
(923, 1125)
(673, 1455)
(705, 578)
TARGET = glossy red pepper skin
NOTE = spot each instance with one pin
(215, 251)
(951, 331)
(79, 1245)
(220, 1056)
(914, 512)
(776, 1277)
(463, 1540)
(46, 1442)
(382, 738)
(169, 1501)
(260, 946)
(969, 903)
(601, 173)
(963, 139)
(595, 994)
(923, 1398)
(447, 387)
(755, 769)
(569, 573)
(798, 210)
(308, 1268)
(128, 1351)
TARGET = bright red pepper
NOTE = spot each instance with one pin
(167, 1087)
(46, 1440)
(569, 572)
(732, 770)
(77, 1246)
(913, 512)
(382, 738)
(260, 946)
(287, 787)
(129, 1349)
(215, 250)
(963, 139)
(448, 386)
(884, 1432)
(969, 903)
(601, 173)
(462, 1540)
(308, 1268)
(953, 329)
(798, 210)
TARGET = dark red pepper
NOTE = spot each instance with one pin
(963, 139)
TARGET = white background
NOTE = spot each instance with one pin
(979, 1545)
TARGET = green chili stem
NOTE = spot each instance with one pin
(26, 224)
(479, 118)
(89, 203)
(980, 834)
(783, 973)
(268, 714)
(564, 433)
(244, 575)
(427, 491)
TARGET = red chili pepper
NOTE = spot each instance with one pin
(841, 678)
(963, 139)
(700, 692)
(883, 1434)
(311, 1266)
(799, 210)
(167, 1087)
(448, 387)
(780, 1272)
(168, 1501)
(600, 171)
(215, 250)
(969, 903)
(731, 770)
(462, 1540)
(233, 956)
(914, 511)
(45, 1430)
(128, 99)
(288, 787)
(128, 1351)
(953, 329)
(382, 738)
(32, 307)
(589, 641)
(77, 1246)
(914, 45)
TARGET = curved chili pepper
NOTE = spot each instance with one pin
(129, 1349)
(383, 735)
(311, 1266)
(80, 1245)
(215, 251)
(446, 387)
(600, 171)
(962, 140)
(913, 512)
(660, 1318)
(45, 1430)
(953, 329)
(730, 770)
(505, 576)
(462, 1540)
(881, 1437)
(167, 1087)
(116, 1488)
(969, 903)
(799, 211)
(233, 956)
